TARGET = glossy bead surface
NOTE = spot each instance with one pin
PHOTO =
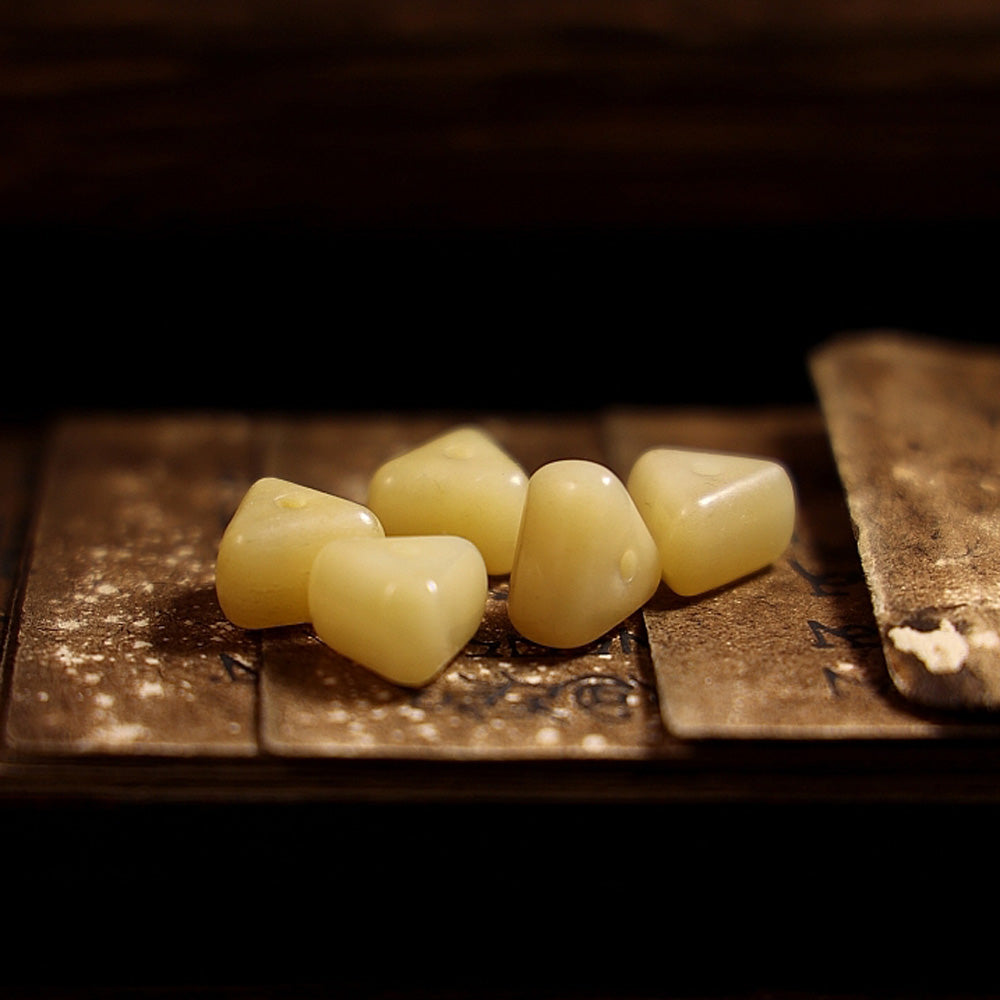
(584, 559)
(267, 550)
(403, 606)
(716, 517)
(460, 483)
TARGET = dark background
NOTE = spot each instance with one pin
(344, 205)
(348, 205)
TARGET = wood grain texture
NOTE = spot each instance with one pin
(555, 858)
(122, 680)
(914, 427)
(448, 114)
(121, 648)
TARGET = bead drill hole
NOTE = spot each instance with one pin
(629, 565)
(291, 501)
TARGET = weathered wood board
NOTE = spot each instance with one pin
(118, 648)
(123, 650)
(915, 428)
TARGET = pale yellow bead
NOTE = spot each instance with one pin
(403, 607)
(716, 517)
(267, 550)
(584, 560)
(460, 483)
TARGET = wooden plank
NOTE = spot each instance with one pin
(121, 648)
(130, 502)
(915, 427)
(502, 697)
(794, 651)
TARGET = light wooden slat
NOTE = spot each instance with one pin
(122, 648)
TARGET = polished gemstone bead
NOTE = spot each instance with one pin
(716, 517)
(267, 550)
(403, 607)
(459, 483)
(584, 559)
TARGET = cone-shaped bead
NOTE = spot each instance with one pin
(403, 607)
(584, 560)
(460, 483)
(268, 548)
(716, 517)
